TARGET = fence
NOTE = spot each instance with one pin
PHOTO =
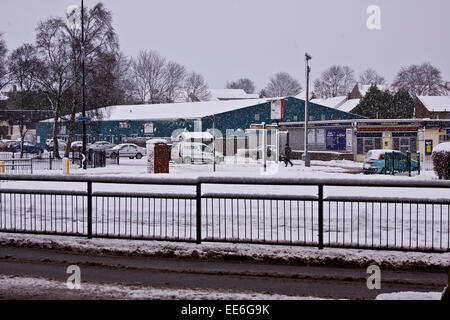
(202, 211)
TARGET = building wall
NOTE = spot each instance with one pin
(228, 124)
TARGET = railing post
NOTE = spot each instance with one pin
(418, 161)
(89, 209)
(320, 217)
(31, 165)
(199, 213)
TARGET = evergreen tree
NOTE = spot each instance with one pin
(375, 105)
(402, 106)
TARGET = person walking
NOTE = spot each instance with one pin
(287, 155)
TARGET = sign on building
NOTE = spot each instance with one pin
(148, 128)
(349, 140)
(428, 147)
(277, 110)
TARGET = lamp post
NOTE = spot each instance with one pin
(306, 156)
(83, 53)
(75, 18)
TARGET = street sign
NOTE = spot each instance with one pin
(84, 119)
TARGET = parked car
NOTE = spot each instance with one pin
(375, 161)
(194, 152)
(76, 146)
(126, 150)
(3, 145)
(28, 147)
(101, 145)
(62, 145)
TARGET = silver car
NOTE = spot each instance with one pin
(102, 145)
(126, 150)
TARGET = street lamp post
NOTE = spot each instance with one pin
(83, 53)
(306, 156)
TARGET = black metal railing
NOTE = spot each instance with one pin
(290, 211)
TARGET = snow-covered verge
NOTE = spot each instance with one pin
(37, 288)
(409, 295)
(236, 252)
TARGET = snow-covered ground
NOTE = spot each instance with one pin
(293, 221)
(237, 252)
(37, 288)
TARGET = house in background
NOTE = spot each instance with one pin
(432, 107)
(230, 94)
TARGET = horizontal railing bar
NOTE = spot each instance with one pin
(44, 192)
(106, 180)
(241, 196)
(180, 196)
(386, 200)
(234, 180)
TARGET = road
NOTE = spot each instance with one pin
(292, 280)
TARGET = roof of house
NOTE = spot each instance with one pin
(349, 105)
(436, 103)
(334, 102)
(221, 94)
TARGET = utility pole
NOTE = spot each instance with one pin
(306, 156)
(83, 56)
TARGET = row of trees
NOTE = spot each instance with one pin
(423, 79)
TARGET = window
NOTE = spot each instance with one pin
(124, 125)
(257, 117)
(365, 144)
(444, 138)
(295, 118)
(405, 144)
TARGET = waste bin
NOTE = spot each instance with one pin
(96, 158)
(158, 156)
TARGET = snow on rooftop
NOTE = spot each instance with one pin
(169, 111)
(221, 94)
(334, 102)
(436, 103)
(187, 135)
(349, 105)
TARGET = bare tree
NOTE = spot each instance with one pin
(101, 44)
(25, 69)
(371, 77)
(196, 89)
(336, 81)
(54, 48)
(173, 77)
(245, 84)
(148, 75)
(420, 80)
(282, 85)
(3, 69)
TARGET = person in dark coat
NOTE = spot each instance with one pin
(287, 155)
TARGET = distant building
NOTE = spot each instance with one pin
(170, 120)
(432, 107)
(230, 94)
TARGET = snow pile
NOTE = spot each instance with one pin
(38, 288)
(408, 295)
(445, 147)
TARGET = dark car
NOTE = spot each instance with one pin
(28, 147)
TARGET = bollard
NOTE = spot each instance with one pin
(66, 166)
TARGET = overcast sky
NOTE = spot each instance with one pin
(228, 39)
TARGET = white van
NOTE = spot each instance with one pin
(194, 152)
